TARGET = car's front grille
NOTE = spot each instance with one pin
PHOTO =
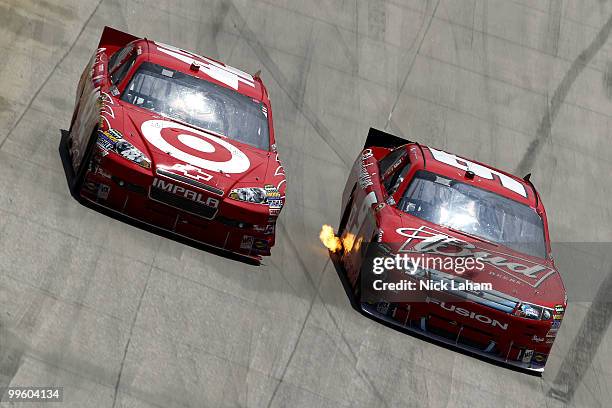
(490, 298)
(190, 181)
(182, 203)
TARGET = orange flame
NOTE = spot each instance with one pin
(348, 241)
(329, 238)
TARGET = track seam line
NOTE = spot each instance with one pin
(299, 336)
(133, 325)
(266, 60)
(411, 64)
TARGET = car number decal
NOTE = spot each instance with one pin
(230, 76)
(479, 170)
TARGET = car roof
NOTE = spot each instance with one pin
(485, 177)
(209, 69)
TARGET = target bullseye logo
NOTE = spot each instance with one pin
(195, 147)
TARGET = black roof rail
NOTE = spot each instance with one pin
(527, 178)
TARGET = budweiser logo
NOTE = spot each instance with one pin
(428, 240)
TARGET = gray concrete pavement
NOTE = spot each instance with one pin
(124, 318)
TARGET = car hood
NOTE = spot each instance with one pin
(528, 278)
(188, 151)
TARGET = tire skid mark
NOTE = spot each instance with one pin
(579, 358)
(251, 38)
(543, 132)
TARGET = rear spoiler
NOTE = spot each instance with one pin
(113, 39)
(379, 138)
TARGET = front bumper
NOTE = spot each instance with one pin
(372, 311)
(419, 321)
(124, 189)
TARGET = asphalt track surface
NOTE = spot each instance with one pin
(124, 318)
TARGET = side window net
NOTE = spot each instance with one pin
(387, 161)
(393, 181)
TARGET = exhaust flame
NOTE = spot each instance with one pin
(348, 241)
(329, 238)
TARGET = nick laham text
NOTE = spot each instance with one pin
(430, 285)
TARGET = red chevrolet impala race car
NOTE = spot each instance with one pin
(177, 141)
(450, 248)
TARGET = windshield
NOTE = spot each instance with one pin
(199, 103)
(475, 211)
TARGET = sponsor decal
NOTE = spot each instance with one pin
(105, 143)
(379, 207)
(103, 173)
(365, 179)
(90, 186)
(247, 242)
(558, 317)
(478, 169)
(383, 307)
(275, 203)
(103, 191)
(559, 309)
(527, 355)
(539, 359)
(428, 240)
(550, 341)
(273, 199)
(271, 191)
(537, 339)
(394, 166)
(195, 147)
(466, 313)
(112, 140)
(260, 244)
(267, 229)
(185, 193)
(552, 333)
(529, 311)
(556, 324)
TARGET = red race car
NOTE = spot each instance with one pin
(450, 248)
(178, 142)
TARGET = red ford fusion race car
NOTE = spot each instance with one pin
(450, 248)
(177, 141)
